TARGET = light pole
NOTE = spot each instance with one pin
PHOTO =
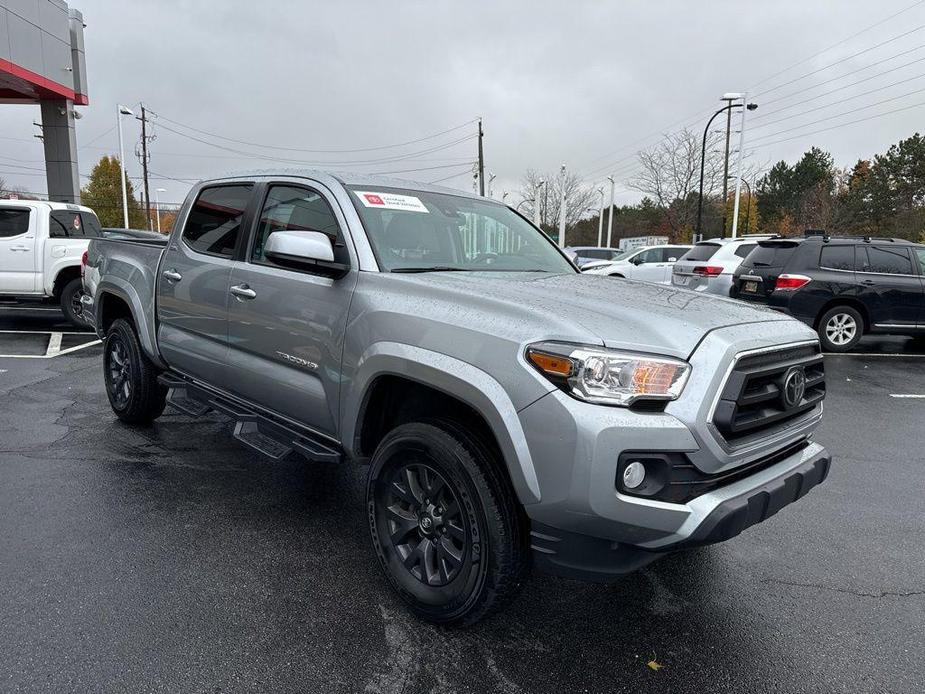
(562, 209)
(748, 205)
(735, 209)
(610, 215)
(698, 231)
(157, 206)
(123, 111)
(536, 202)
(491, 177)
(600, 220)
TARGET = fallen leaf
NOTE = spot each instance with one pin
(655, 665)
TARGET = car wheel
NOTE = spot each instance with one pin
(131, 379)
(840, 329)
(70, 302)
(444, 522)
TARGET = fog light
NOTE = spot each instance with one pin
(634, 474)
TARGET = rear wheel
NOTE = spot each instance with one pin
(840, 329)
(444, 523)
(131, 379)
(70, 302)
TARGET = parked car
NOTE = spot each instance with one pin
(709, 265)
(508, 406)
(41, 244)
(649, 263)
(590, 254)
(842, 287)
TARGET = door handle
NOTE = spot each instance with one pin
(20, 248)
(868, 283)
(242, 291)
(172, 275)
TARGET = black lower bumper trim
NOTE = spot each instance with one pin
(588, 558)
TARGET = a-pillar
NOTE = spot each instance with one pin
(60, 150)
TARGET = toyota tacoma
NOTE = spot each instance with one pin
(512, 412)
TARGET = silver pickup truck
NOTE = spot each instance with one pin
(511, 410)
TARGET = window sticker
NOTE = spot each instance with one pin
(391, 201)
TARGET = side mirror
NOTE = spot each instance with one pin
(305, 250)
(637, 260)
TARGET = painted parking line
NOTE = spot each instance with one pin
(54, 347)
(909, 396)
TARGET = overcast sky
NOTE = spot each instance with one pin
(554, 82)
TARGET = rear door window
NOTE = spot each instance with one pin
(214, 223)
(837, 258)
(14, 222)
(702, 251)
(671, 254)
(920, 253)
(888, 261)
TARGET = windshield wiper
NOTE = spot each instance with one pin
(432, 268)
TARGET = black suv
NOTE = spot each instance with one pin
(842, 286)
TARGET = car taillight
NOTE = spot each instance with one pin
(83, 264)
(786, 281)
(708, 270)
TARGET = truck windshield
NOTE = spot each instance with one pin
(417, 231)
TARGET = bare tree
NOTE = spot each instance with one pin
(580, 199)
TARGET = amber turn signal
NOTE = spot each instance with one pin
(551, 364)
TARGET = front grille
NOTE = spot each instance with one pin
(758, 396)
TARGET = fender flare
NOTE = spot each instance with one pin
(458, 379)
(124, 290)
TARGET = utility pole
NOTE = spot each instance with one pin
(610, 216)
(144, 164)
(481, 163)
(726, 164)
(562, 210)
(536, 202)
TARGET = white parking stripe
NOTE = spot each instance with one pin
(54, 345)
(907, 395)
(51, 356)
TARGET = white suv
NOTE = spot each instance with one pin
(709, 265)
(649, 263)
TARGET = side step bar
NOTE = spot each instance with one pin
(256, 429)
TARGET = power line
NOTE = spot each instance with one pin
(837, 44)
(840, 77)
(320, 151)
(840, 101)
(840, 125)
(838, 62)
(447, 178)
(838, 115)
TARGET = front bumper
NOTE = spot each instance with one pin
(575, 555)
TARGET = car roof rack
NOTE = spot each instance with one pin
(865, 238)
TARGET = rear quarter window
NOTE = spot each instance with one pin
(744, 249)
(837, 258)
(702, 251)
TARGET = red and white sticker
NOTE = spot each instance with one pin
(391, 201)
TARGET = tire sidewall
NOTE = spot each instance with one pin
(452, 461)
(72, 288)
(119, 331)
(829, 346)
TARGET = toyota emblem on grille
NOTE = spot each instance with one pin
(794, 387)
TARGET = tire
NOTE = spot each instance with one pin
(840, 328)
(70, 302)
(131, 379)
(444, 522)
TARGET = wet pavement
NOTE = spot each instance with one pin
(172, 559)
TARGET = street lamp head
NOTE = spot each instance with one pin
(125, 111)
(160, 190)
(610, 178)
(731, 96)
(752, 106)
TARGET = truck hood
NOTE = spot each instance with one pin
(620, 313)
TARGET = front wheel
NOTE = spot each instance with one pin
(840, 329)
(444, 523)
(131, 379)
(70, 302)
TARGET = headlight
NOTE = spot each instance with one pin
(609, 377)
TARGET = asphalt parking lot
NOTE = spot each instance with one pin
(173, 559)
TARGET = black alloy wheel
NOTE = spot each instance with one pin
(119, 372)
